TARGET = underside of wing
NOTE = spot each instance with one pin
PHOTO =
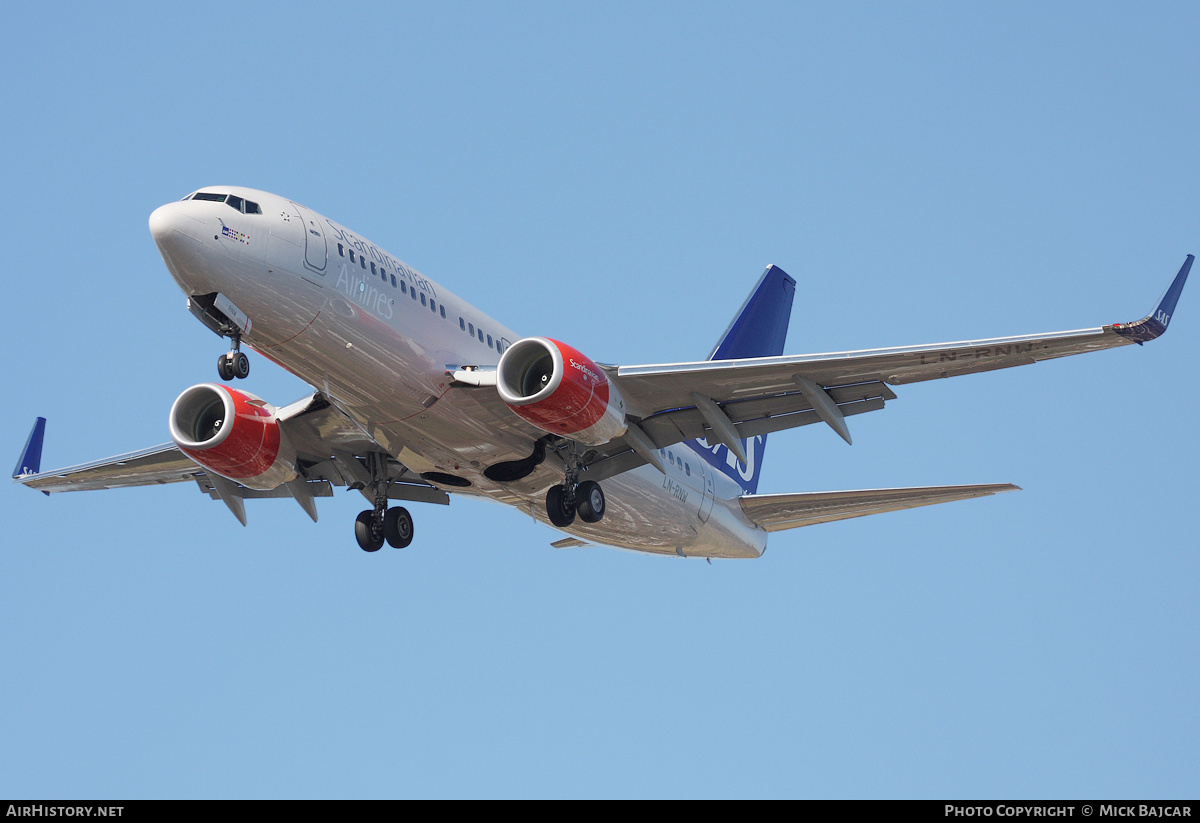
(157, 465)
(726, 401)
(776, 512)
(330, 451)
(659, 387)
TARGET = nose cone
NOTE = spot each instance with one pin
(177, 233)
(164, 221)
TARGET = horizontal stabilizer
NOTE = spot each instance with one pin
(776, 512)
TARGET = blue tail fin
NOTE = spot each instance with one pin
(759, 329)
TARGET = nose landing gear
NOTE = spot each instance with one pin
(234, 363)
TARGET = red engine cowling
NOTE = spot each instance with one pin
(233, 434)
(560, 391)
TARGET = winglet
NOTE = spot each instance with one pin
(1155, 323)
(30, 461)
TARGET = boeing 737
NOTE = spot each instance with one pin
(418, 396)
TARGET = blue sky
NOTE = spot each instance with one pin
(618, 176)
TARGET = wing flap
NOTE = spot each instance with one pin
(750, 418)
(776, 512)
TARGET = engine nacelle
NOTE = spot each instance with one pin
(560, 391)
(233, 434)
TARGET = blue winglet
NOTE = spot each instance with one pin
(30, 461)
(1155, 323)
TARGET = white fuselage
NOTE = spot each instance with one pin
(322, 304)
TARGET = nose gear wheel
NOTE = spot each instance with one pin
(234, 363)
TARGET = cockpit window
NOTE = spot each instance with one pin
(232, 200)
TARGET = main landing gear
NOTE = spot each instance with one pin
(374, 526)
(379, 524)
(234, 363)
(586, 499)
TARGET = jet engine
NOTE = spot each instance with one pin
(234, 434)
(559, 390)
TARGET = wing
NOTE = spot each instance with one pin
(729, 400)
(776, 512)
(332, 451)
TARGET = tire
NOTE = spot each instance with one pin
(559, 508)
(241, 366)
(364, 534)
(224, 368)
(589, 500)
(398, 527)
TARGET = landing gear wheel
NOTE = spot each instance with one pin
(241, 366)
(369, 539)
(398, 527)
(560, 507)
(589, 501)
(225, 368)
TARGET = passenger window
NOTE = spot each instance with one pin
(489, 341)
(687, 468)
(480, 335)
(234, 202)
(422, 300)
(373, 268)
(352, 260)
(462, 324)
(413, 292)
(442, 309)
(341, 251)
(362, 261)
(471, 329)
(433, 305)
(393, 281)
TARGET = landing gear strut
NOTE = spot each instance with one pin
(586, 499)
(234, 363)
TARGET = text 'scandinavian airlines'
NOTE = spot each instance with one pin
(419, 395)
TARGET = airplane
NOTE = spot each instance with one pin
(418, 396)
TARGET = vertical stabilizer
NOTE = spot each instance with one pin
(759, 329)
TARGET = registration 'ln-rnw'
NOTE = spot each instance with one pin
(419, 395)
